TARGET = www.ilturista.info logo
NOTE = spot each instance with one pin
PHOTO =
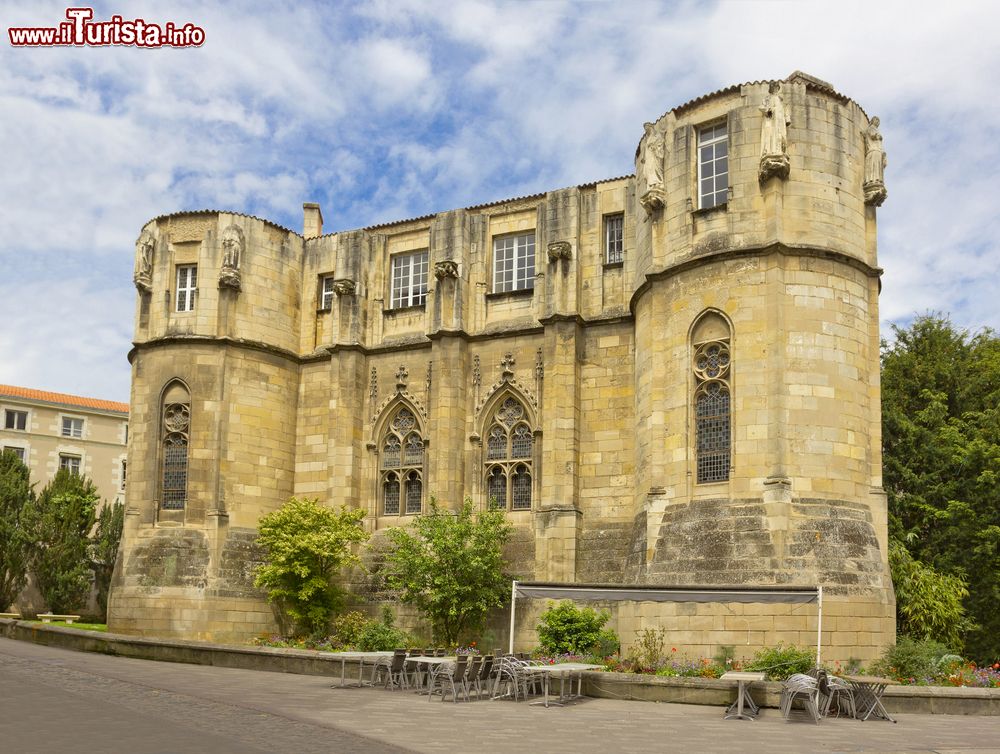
(80, 30)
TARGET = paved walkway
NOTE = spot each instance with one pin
(53, 699)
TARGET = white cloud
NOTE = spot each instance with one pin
(392, 109)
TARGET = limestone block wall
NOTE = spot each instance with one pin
(291, 394)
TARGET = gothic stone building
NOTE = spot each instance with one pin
(670, 377)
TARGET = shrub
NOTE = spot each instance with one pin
(607, 644)
(305, 544)
(648, 653)
(911, 658)
(780, 662)
(566, 629)
(382, 635)
(347, 627)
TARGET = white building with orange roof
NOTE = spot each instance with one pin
(50, 431)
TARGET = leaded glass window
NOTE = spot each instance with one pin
(712, 411)
(175, 434)
(509, 457)
(402, 451)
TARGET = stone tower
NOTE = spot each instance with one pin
(670, 377)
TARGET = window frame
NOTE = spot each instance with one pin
(66, 461)
(522, 266)
(69, 427)
(712, 141)
(405, 289)
(15, 413)
(619, 258)
(407, 472)
(20, 451)
(187, 290)
(511, 463)
(326, 292)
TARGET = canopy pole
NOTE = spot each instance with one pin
(819, 626)
(513, 599)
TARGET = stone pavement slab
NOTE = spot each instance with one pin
(117, 704)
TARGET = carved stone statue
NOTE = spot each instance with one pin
(652, 154)
(142, 276)
(232, 254)
(875, 162)
(773, 135)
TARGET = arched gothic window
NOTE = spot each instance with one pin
(402, 453)
(174, 432)
(712, 404)
(509, 446)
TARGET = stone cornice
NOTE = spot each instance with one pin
(253, 345)
(816, 252)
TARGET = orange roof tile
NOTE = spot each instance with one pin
(10, 391)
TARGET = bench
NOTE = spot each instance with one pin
(49, 617)
(15, 616)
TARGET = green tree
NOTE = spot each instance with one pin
(103, 550)
(64, 517)
(306, 544)
(941, 431)
(928, 603)
(16, 498)
(450, 567)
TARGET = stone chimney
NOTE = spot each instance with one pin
(312, 220)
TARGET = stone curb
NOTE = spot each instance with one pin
(945, 700)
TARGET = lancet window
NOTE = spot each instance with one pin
(402, 464)
(509, 452)
(712, 402)
(174, 434)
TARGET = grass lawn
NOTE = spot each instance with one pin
(77, 624)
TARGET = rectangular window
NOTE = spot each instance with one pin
(124, 473)
(72, 427)
(187, 287)
(15, 420)
(70, 463)
(614, 249)
(713, 166)
(409, 279)
(514, 263)
(326, 293)
(19, 452)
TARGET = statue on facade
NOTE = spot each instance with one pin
(232, 253)
(652, 154)
(875, 162)
(773, 135)
(142, 275)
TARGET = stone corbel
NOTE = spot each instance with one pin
(344, 287)
(560, 250)
(446, 268)
(773, 166)
(875, 193)
(654, 199)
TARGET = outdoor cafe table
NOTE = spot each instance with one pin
(561, 670)
(743, 699)
(868, 690)
(360, 658)
(429, 662)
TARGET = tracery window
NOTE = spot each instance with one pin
(712, 410)
(509, 451)
(175, 431)
(402, 454)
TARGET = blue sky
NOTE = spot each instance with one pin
(387, 110)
